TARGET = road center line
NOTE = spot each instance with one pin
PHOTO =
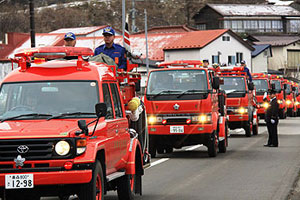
(159, 161)
(194, 147)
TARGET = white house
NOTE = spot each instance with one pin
(260, 57)
(218, 46)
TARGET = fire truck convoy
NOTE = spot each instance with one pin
(240, 102)
(280, 94)
(65, 130)
(185, 107)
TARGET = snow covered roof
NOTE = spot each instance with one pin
(280, 3)
(254, 10)
(276, 40)
(80, 30)
(41, 40)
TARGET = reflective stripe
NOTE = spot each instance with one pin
(221, 138)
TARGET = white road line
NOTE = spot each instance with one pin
(159, 161)
(194, 147)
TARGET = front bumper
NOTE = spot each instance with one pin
(55, 177)
(192, 129)
(237, 117)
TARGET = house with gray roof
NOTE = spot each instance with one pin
(260, 57)
(249, 18)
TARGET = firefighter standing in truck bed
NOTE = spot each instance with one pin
(115, 51)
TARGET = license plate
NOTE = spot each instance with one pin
(16, 181)
(176, 129)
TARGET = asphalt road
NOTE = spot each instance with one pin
(246, 171)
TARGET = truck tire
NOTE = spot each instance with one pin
(152, 147)
(224, 143)
(255, 129)
(247, 129)
(169, 149)
(94, 189)
(211, 145)
(126, 186)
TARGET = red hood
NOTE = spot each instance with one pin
(37, 128)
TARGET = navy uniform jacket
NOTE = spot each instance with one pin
(246, 69)
(272, 111)
(116, 51)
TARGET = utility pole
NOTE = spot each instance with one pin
(32, 27)
(133, 11)
(146, 38)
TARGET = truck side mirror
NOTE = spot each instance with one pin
(82, 125)
(273, 86)
(138, 86)
(216, 83)
(251, 86)
(101, 109)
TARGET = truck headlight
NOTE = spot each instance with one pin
(62, 148)
(154, 119)
(203, 118)
(297, 103)
(279, 101)
(242, 110)
(288, 102)
(80, 146)
(266, 105)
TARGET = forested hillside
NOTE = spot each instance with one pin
(54, 14)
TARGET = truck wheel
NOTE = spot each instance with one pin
(152, 147)
(212, 145)
(169, 149)
(223, 144)
(126, 187)
(247, 129)
(160, 150)
(93, 190)
(255, 129)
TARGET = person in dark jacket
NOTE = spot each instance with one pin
(272, 120)
(246, 69)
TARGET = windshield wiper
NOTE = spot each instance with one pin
(191, 91)
(165, 91)
(26, 115)
(232, 91)
(70, 114)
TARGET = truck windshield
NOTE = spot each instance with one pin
(261, 85)
(288, 89)
(45, 99)
(277, 85)
(176, 82)
(233, 84)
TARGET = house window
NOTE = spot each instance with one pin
(239, 57)
(294, 26)
(201, 26)
(231, 60)
(215, 59)
(227, 24)
(226, 38)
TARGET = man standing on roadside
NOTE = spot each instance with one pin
(115, 51)
(272, 120)
(70, 40)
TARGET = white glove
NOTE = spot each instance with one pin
(272, 121)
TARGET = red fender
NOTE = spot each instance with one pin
(222, 121)
(133, 147)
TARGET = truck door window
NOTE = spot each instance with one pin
(116, 99)
(107, 100)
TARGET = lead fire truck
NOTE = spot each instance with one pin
(240, 102)
(65, 128)
(185, 107)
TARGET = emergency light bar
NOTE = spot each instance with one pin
(55, 52)
(183, 63)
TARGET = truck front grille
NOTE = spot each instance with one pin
(35, 149)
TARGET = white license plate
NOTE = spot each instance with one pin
(176, 129)
(16, 181)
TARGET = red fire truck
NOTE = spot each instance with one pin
(65, 130)
(262, 87)
(297, 98)
(280, 94)
(290, 98)
(240, 102)
(185, 107)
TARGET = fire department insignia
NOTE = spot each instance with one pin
(19, 161)
(176, 106)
